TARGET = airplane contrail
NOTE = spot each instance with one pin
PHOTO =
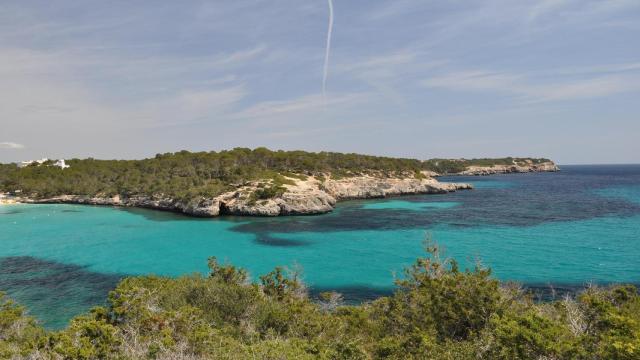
(326, 55)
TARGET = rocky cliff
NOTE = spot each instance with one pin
(528, 166)
(301, 197)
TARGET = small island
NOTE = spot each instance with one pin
(242, 181)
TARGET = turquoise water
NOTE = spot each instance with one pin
(408, 205)
(628, 193)
(566, 229)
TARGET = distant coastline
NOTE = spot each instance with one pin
(303, 197)
(244, 182)
(473, 170)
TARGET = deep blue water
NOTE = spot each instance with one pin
(560, 230)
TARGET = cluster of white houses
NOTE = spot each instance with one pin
(59, 163)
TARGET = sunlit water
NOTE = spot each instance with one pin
(560, 229)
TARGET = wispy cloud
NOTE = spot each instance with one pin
(597, 69)
(390, 9)
(202, 102)
(297, 106)
(540, 8)
(530, 89)
(390, 74)
(10, 145)
(381, 61)
(475, 80)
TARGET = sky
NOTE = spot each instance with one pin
(408, 78)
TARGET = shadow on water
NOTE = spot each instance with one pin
(166, 215)
(156, 215)
(54, 292)
(270, 240)
(531, 200)
(11, 212)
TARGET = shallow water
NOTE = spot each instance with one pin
(566, 229)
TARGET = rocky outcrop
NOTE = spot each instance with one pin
(203, 207)
(365, 187)
(525, 167)
(312, 196)
(289, 203)
(302, 197)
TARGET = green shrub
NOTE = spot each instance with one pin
(437, 312)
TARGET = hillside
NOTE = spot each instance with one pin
(240, 181)
(489, 166)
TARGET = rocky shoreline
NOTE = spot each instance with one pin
(302, 197)
(548, 166)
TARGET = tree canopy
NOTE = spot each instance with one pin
(185, 175)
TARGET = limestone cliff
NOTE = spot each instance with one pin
(528, 166)
(364, 187)
(301, 197)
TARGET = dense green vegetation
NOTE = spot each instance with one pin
(437, 312)
(186, 175)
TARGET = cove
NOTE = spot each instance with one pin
(566, 229)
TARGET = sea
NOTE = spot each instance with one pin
(554, 233)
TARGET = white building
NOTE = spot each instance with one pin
(29, 162)
(60, 163)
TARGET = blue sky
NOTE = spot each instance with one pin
(411, 78)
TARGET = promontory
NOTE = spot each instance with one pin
(242, 181)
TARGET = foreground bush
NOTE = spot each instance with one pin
(437, 312)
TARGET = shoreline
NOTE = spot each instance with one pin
(300, 196)
(506, 169)
(304, 197)
(4, 200)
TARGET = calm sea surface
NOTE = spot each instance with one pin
(560, 230)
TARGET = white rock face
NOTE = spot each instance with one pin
(364, 187)
(303, 198)
(548, 166)
(203, 208)
(315, 201)
(238, 206)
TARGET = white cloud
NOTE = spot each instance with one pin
(239, 56)
(475, 80)
(545, 6)
(599, 69)
(10, 145)
(389, 74)
(530, 90)
(583, 89)
(609, 6)
(391, 9)
(385, 61)
(190, 107)
(298, 106)
(217, 100)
